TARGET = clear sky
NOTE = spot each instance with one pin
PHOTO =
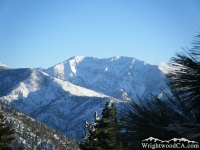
(42, 33)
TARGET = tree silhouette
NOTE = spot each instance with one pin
(185, 75)
(6, 134)
(102, 133)
(176, 113)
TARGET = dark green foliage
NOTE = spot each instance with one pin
(109, 127)
(6, 134)
(176, 113)
(185, 83)
(186, 76)
(102, 134)
(92, 131)
(163, 119)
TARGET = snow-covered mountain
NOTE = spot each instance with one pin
(3, 66)
(119, 77)
(32, 134)
(67, 94)
(55, 102)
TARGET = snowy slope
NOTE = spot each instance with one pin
(61, 104)
(119, 77)
(55, 102)
(32, 134)
(3, 66)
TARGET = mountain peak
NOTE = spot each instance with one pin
(73, 89)
(109, 75)
(77, 58)
(3, 66)
(115, 58)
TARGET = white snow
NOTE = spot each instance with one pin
(3, 65)
(73, 90)
(108, 75)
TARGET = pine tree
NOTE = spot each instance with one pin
(6, 134)
(92, 130)
(176, 113)
(102, 133)
(151, 118)
(185, 83)
(185, 76)
(109, 128)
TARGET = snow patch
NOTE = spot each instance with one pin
(3, 65)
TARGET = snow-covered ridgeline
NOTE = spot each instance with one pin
(68, 93)
(119, 77)
(55, 102)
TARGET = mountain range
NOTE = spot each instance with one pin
(119, 77)
(67, 94)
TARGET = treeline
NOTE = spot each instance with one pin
(34, 135)
(175, 113)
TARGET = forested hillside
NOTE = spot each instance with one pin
(32, 134)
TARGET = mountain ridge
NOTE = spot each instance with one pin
(65, 104)
(111, 75)
(52, 101)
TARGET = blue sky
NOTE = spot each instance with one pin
(42, 33)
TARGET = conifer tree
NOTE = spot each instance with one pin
(6, 134)
(109, 128)
(176, 113)
(92, 132)
(102, 133)
(185, 76)
(150, 118)
(185, 83)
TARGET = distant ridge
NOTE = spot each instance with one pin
(57, 103)
(3, 66)
(120, 77)
(68, 93)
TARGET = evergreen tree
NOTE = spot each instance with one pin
(185, 83)
(92, 131)
(6, 135)
(109, 128)
(149, 118)
(102, 133)
(176, 113)
(185, 76)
